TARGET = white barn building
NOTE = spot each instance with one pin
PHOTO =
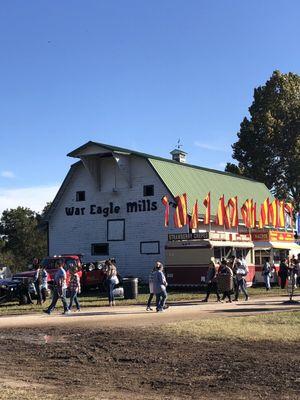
(109, 204)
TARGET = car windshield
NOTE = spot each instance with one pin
(52, 263)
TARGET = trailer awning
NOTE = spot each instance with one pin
(224, 243)
(276, 245)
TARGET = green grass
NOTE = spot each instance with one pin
(93, 299)
(283, 326)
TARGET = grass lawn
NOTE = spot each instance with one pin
(94, 299)
(283, 326)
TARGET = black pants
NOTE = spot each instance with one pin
(283, 279)
(41, 294)
(227, 294)
(149, 300)
(212, 287)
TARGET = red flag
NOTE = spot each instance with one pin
(221, 213)
(194, 217)
(206, 203)
(165, 202)
(253, 215)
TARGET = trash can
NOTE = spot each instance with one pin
(130, 286)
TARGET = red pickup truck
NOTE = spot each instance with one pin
(91, 274)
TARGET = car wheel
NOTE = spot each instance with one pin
(23, 299)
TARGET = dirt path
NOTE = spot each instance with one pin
(132, 316)
(127, 353)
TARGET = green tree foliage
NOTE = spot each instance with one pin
(21, 237)
(268, 146)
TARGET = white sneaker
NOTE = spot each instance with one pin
(67, 312)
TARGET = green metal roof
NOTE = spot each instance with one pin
(196, 182)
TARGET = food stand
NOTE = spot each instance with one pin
(188, 255)
(274, 246)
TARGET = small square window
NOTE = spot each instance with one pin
(99, 249)
(80, 196)
(149, 190)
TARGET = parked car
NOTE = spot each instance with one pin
(20, 290)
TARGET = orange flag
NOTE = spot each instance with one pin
(246, 213)
(165, 202)
(206, 203)
(264, 213)
(180, 215)
(273, 213)
(234, 213)
(194, 217)
(221, 213)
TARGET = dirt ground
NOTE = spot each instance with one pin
(146, 361)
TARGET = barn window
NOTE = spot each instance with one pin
(80, 196)
(100, 249)
(149, 190)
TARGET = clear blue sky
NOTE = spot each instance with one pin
(137, 74)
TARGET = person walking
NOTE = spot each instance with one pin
(225, 275)
(151, 293)
(240, 272)
(283, 272)
(74, 287)
(111, 281)
(211, 281)
(41, 284)
(160, 287)
(59, 290)
(267, 273)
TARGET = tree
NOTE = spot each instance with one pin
(268, 146)
(21, 236)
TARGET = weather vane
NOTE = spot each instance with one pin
(179, 144)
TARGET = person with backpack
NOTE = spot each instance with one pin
(267, 273)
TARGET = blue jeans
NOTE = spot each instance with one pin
(267, 281)
(161, 300)
(110, 290)
(73, 297)
(241, 284)
(56, 296)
